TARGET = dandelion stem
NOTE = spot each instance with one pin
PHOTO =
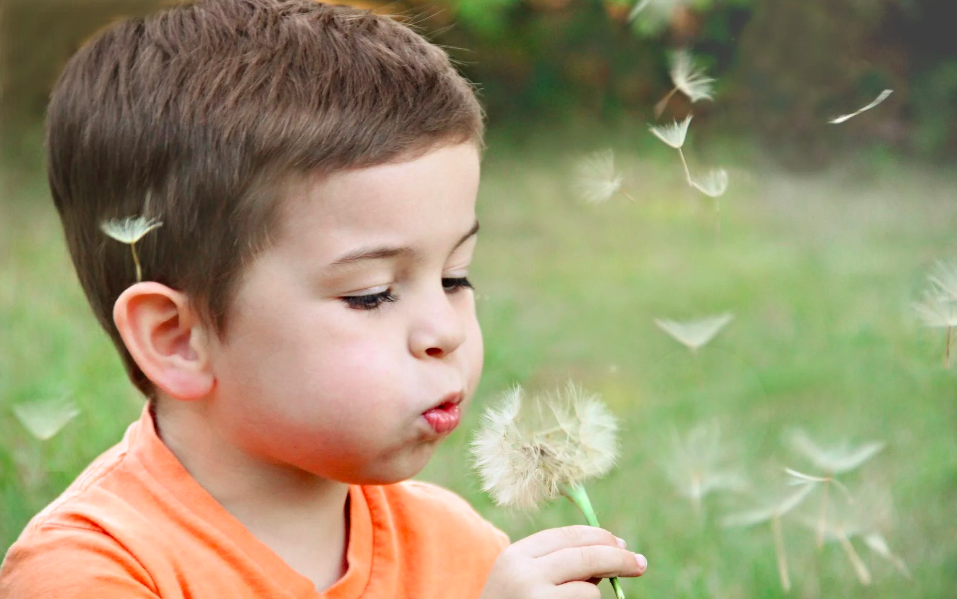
(822, 522)
(862, 572)
(136, 261)
(685, 164)
(781, 555)
(660, 106)
(577, 495)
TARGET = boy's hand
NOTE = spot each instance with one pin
(561, 563)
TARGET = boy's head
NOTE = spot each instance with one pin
(215, 118)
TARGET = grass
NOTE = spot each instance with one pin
(819, 271)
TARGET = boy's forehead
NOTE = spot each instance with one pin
(431, 191)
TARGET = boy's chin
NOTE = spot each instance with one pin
(400, 469)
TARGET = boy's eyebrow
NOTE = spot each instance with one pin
(382, 252)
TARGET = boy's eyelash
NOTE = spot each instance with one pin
(453, 284)
(369, 302)
(373, 301)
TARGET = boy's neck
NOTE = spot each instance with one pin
(301, 517)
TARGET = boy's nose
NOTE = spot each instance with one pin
(438, 330)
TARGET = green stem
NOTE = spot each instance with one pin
(578, 496)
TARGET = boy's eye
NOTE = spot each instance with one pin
(453, 284)
(370, 301)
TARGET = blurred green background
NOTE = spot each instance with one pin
(827, 234)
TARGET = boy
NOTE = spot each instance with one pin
(305, 329)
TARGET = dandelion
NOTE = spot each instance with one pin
(695, 334)
(529, 452)
(44, 419)
(596, 179)
(833, 461)
(688, 79)
(772, 514)
(697, 465)
(130, 230)
(880, 98)
(674, 135)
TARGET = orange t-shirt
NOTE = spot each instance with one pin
(135, 524)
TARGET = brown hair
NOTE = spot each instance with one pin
(196, 116)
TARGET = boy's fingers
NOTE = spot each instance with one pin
(551, 540)
(594, 561)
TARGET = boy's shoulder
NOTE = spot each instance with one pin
(71, 537)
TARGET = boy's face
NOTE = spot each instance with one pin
(356, 323)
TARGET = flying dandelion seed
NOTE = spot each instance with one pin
(938, 310)
(772, 514)
(596, 179)
(842, 533)
(876, 543)
(688, 79)
(130, 230)
(861, 518)
(944, 278)
(674, 135)
(880, 98)
(713, 184)
(44, 419)
(939, 306)
(832, 461)
(695, 334)
(531, 451)
(698, 465)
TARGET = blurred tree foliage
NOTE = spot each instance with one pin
(783, 67)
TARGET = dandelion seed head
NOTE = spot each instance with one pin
(695, 334)
(674, 135)
(713, 184)
(129, 230)
(529, 448)
(690, 79)
(595, 177)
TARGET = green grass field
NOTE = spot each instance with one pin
(819, 271)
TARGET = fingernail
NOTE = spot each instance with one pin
(642, 562)
(621, 542)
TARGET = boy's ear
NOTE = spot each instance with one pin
(166, 338)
